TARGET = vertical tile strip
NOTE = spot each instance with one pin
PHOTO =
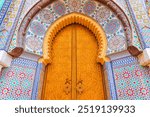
(111, 81)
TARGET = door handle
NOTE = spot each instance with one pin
(67, 88)
(80, 87)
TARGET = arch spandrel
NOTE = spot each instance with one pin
(70, 19)
(109, 3)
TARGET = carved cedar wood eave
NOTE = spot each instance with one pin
(109, 3)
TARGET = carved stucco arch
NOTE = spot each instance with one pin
(43, 3)
(71, 19)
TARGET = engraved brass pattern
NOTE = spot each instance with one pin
(67, 89)
(80, 87)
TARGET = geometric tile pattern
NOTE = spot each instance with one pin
(3, 36)
(4, 4)
(135, 40)
(16, 82)
(146, 33)
(9, 21)
(142, 19)
(102, 14)
(132, 80)
(139, 12)
(27, 6)
(146, 30)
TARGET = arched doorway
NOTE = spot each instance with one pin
(74, 72)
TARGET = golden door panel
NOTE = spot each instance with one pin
(74, 72)
(89, 77)
(57, 85)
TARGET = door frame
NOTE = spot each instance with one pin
(62, 22)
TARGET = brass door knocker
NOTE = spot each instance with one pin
(67, 89)
(80, 87)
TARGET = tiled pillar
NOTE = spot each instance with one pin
(9, 20)
(38, 82)
(111, 88)
(140, 15)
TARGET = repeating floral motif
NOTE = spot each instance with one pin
(103, 15)
(117, 42)
(27, 6)
(34, 42)
(132, 80)
(59, 8)
(37, 28)
(74, 5)
(112, 26)
(46, 16)
(89, 7)
(77, 4)
(16, 82)
(125, 8)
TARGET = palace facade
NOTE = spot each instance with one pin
(75, 49)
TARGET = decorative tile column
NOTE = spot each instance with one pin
(38, 82)
(141, 18)
(109, 75)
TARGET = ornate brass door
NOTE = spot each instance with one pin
(74, 72)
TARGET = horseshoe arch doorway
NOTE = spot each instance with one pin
(74, 71)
